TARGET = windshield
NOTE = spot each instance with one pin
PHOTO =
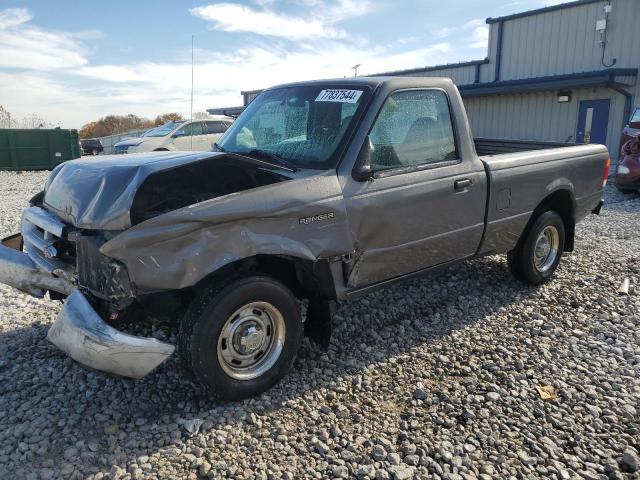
(162, 130)
(304, 126)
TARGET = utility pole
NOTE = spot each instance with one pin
(355, 69)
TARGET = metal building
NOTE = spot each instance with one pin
(565, 73)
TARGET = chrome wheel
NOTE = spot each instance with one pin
(251, 341)
(546, 249)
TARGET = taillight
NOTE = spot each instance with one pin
(607, 167)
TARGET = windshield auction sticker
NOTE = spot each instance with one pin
(340, 96)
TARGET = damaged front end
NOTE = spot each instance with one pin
(51, 256)
(113, 234)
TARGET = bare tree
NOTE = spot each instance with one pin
(200, 116)
(5, 118)
(30, 121)
(34, 121)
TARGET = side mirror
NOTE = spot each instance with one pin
(179, 133)
(362, 171)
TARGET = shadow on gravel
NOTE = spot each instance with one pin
(115, 421)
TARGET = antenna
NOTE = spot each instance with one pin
(355, 69)
(191, 111)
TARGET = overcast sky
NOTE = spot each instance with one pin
(73, 62)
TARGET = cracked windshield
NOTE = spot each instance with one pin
(299, 126)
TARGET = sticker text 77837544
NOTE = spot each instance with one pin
(339, 95)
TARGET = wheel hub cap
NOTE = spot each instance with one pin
(251, 340)
(248, 338)
(546, 248)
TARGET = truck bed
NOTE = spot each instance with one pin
(519, 180)
(496, 146)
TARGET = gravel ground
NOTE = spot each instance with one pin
(436, 378)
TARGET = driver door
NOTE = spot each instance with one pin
(424, 204)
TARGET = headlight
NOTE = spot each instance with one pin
(622, 170)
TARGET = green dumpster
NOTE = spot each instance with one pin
(37, 149)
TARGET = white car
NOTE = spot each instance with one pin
(195, 135)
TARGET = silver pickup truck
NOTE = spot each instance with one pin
(319, 192)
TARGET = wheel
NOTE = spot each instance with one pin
(240, 339)
(94, 152)
(538, 253)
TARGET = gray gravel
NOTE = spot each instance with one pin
(432, 379)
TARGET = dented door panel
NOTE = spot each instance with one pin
(408, 222)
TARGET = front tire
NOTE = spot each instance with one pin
(240, 339)
(538, 253)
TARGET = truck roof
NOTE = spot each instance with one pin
(373, 82)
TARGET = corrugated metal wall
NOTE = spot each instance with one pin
(558, 42)
(566, 41)
(539, 116)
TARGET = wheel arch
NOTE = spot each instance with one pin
(562, 201)
(305, 278)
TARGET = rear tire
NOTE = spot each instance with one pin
(238, 340)
(539, 250)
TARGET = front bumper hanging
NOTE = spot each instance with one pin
(79, 331)
(84, 336)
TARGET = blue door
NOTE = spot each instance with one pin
(593, 120)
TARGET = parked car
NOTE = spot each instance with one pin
(319, 192)
(197, 135)
(632, 129)
(627, 178)
(91, 146)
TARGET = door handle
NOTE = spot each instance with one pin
(463, 184)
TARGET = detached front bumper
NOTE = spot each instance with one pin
(79, 331)
(84, 336)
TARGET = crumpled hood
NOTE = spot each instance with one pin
(97, 194)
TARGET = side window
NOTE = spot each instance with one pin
(197, 128)
(413, 128)
(215, 127)
(636, 116)
(186, 129)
